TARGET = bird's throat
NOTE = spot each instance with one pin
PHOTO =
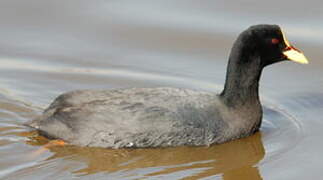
(242, 81)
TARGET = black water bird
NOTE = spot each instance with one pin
(161, 117)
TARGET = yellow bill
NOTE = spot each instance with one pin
(293, 54)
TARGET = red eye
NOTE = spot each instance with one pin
(274, 41)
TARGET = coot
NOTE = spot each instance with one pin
(162, 117)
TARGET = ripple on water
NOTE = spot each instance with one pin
(280, 132)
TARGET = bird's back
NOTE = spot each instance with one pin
(137, 117)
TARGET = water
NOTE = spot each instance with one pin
(50, 47)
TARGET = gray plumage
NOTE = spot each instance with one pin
(161, 117)
(139, 117)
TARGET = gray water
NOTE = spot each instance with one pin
(50, 47)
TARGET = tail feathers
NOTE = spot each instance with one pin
(33, 124)
(51, 128)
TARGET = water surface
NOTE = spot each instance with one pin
(50, 47)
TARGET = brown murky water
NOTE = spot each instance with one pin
(50, 47)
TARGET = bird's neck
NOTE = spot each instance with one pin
(242, 79)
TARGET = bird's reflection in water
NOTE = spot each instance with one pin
(233, 160)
